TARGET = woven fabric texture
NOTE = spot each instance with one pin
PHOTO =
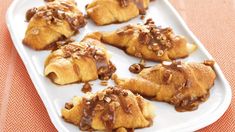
(21, 109)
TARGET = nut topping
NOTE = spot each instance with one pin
(138, 3)
(166, 63)
(124, 3)
(113, 97)
(209, 63)
(112, 106)
(68, 106)
(144, 38)
(86, 87)
(142, 17)
(30, 13)
(136, 68)
(107, 99)
(157, 39)
(101, 95)
(138, 55)
(167, 76)
(105, 68)
(155, 47)
(56, 12)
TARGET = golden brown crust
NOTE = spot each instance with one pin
(79, 62)
(104, 12)
(183, 85)
(149, 42)
(109, 109)
(55, 21)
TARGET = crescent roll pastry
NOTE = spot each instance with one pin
(55, 21)
(79, 62)
(104, 12)
(110, 109)
(185, 85)
(149, 42)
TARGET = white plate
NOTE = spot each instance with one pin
(54, 96)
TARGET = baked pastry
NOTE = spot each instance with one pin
(104, 12)
(110, 109)
(55, 21)
(149, 42)
(185, 85)
(79, 62)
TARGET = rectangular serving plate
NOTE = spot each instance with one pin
(167, 119)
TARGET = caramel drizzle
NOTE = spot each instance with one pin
(138, 3)
(88, 113)
(184, 103)
(105, 68)
(54, 13)
(140, 6)
(177, 65)
(157, 39)
(103, 103)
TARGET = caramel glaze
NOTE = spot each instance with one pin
(107, 101)
(156, 35)
(55, 12)
(182, 103)
(61, 41)
(138, 3)
(157, 39)
(105, 68)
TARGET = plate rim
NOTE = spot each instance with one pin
(49, 106)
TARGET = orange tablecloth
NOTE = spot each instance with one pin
(21, 109)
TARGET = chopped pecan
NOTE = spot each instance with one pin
(158, 39)
(167, 76)
(100, 95)
(86, 87)
(155, 47)
(144, 38)
(136, 68)
(68, 106)
(113, 97)
(124, 3)
(30, 13)
(209, 63)
(107, 99)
